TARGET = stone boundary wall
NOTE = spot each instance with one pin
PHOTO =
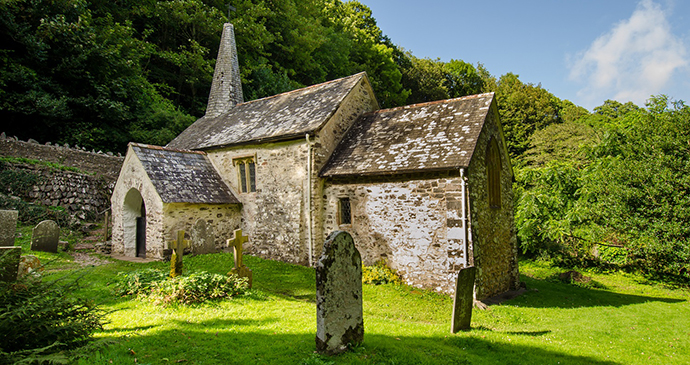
(76, 192)
(99, 163)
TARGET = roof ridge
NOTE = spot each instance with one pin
(297, 90)
(161, 148)
(427, 103)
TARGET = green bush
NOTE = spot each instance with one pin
(138, 282)
(194, 288)
(380, 273)
(41, 317)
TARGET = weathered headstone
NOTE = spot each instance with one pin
(202, 237)
(178, 247)
(45, 237)
(8, 227)
(339, 318)
(29, 264)
(236, 243)
(9, 262)
(463, 300)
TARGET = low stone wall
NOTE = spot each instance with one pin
(80, 193)
(77, 193)
(99, 163)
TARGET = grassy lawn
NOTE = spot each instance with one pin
(616, 319)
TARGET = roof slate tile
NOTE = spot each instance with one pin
(439, 135)
(282, 116)
(183, 176)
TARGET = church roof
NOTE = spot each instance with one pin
(433, 136)
(183, 176)
(280, 117)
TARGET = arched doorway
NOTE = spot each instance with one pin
(141, 233)
(134, 224)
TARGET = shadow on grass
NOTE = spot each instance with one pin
(553, 294)
(224, 343)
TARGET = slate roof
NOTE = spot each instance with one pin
(434, 136)
(279, 117)
(183, 176)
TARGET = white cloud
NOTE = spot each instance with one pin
(636, 59)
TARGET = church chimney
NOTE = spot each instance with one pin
(226, 89)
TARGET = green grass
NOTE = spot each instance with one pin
(617, 319)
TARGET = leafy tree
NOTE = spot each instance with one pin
(524, 109)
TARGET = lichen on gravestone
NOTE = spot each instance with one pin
(339, 311)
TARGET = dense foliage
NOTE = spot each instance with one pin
(101, 74)
(42, 317)
(622, 198)
(156, 286)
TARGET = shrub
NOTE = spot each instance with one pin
(41, 317)
(138, 282)
(194, 288)
(380, 273)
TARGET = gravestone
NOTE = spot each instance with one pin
(8, 227)
(339, 318)
(463, 300)
(202, 237)
(236, 243)
(9, 262)
(29, 264)
(45, 237)
(178, 247)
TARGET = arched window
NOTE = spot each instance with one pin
(493, 172)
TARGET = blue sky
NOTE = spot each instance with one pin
(585, 51)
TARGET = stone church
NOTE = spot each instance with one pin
(426, 187)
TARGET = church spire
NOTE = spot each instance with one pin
(226, 89)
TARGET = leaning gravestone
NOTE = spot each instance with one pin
(45, 237)
(9, 262)
(202, 237)
(8, 227)
(463, 300)
(339, 318)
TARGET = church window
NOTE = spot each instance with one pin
(246, 168)
(493, 171)
(345, 213)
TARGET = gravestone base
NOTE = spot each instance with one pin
(243, 272)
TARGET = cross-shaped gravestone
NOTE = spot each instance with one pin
(178, 247)
(236, 244)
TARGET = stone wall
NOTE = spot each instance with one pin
(274, 215)
(86, 196)
(223, 218)
(493, 229)
(412, 223)
(98, 163)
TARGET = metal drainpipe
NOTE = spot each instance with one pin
(464, 214)
(309, 229)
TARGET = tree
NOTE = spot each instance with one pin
(524, 109)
